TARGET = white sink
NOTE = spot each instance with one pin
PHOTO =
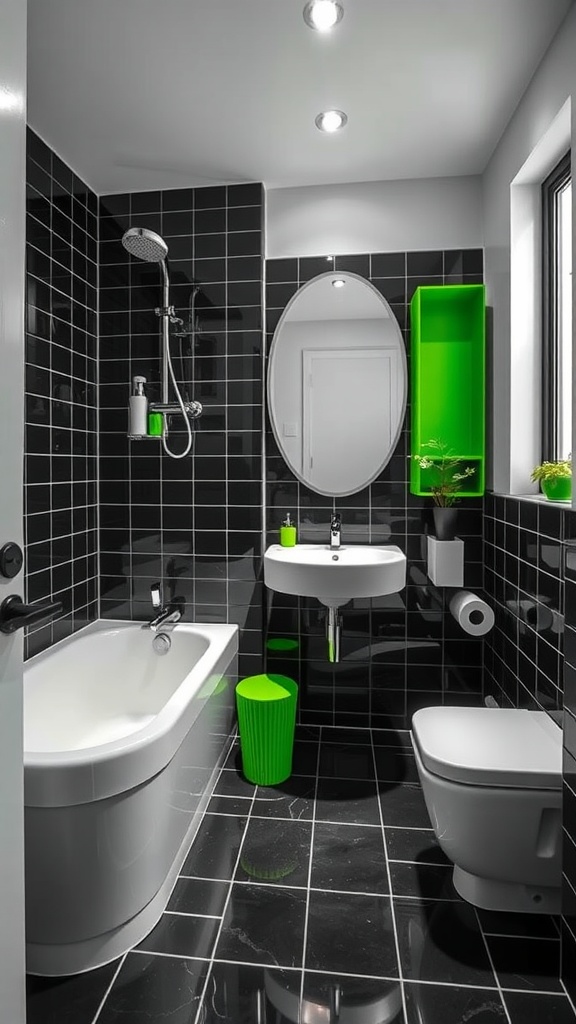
(335, 576)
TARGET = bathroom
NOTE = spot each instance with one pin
(104, 517)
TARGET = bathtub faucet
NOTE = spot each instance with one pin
(167, 616)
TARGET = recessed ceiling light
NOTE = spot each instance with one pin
(8, 100)
(331, 120)
(323, 14)
(338, 282)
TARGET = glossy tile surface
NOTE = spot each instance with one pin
(319, 897)
(263, 925)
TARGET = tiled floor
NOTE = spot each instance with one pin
(325, 899)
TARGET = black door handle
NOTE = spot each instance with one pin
(14, 614)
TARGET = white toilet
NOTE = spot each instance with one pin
(492, 781)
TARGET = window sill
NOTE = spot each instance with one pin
(539, 499)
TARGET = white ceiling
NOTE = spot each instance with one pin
(140, 94)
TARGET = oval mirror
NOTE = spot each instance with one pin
(337, 383)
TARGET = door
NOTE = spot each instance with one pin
(349, 404)
(12, 240)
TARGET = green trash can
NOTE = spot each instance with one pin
(266, 718)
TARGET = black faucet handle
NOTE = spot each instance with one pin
(156, 595)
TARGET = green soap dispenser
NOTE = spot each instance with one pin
(287, 533)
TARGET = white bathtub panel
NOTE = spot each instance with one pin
(93, 866)
(60, 778)
(102, 854)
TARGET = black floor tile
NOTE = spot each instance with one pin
(307, 733)
(442, 942)
(496, 922)
(334, 734)
(404, 807)
(392, 738)
(238, 994)
(353, 801)
(305, 759)
(183, 935)
(447, 1004)
(234, 759)
(73, 1000)
(232, 783)
(394, 765)
(351, 933)
(358, 999)
(198, 896)
(346, 762)
(426, 881)
(215, 849)
(150, 988)
(413, 844)
(531, 1008)
(291, 799)
(230, 805)
(526, 963)
(275, 851)
(349, 858)
(263, 925)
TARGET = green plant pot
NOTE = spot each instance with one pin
(558, 489)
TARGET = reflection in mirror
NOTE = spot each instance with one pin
(337, 383)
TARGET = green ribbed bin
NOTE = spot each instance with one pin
(266, 718)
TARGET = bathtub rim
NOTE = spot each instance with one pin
(63, 778)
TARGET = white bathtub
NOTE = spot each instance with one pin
(121, 748)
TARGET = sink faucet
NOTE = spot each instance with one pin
(335, 528)
(167, 616)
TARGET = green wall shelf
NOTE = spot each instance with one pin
(448, 380)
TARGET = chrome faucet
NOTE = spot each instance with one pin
(167, 616)
(335, 528)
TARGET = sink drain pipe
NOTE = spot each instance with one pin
(333, 631)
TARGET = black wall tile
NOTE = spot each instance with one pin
(60, 393)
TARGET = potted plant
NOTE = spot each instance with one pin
(446, 481)
(555, 479)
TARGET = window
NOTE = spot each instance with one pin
(557, 312)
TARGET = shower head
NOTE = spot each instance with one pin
(145, 244)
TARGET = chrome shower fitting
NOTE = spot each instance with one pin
(147, 245)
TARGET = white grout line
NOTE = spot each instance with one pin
(183, 913)
(224, 909)
(568, 997)
(308, 886)
(392, 908)
(489, 955)
(168, 956)
(107, 992)
(348, 974)
(515, 936)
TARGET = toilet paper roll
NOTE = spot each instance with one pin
(472, 613)
(539, 616)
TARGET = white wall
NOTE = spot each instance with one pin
(374, 216)
(515, 386)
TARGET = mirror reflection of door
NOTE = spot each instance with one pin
(348, 407)
(337, 383)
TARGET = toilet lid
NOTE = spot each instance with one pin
(490, 746)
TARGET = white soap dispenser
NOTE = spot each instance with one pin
(138, 413)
